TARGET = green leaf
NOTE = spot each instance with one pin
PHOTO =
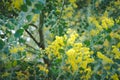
(9, 65)
(108, 38)
(26, 26)
(28, 2)
(87, 42)
(36, 11)
(18, 33)
(1, 44)
(39, 6)
(61, 51)
(24, 8)
(61, 30)
(69, 47)
(21, 40)
(29, 18)
(9, 26)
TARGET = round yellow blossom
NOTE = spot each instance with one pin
(17, 3)
(17, 48)
(14, 50)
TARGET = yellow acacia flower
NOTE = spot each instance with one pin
(17, 48)
(107, 22)
(70, 8)
(88, 73)
(104, 25)
(61, 40)
(115, 77)
(77, 55)
(21, 48)
(84, 64)
(93, 32)
(14, 50)
(5, 74)
(117, 20)
(43, 68)
(35, 17)
(107, 67)
(70, 53)
(75, 5)
(106, 43)
(116, 51)
(22, 76)
(118, 45)
(104, 58)
(68, 15)
(72, 38)
(72, 1)
(17, 3)
(19, 73)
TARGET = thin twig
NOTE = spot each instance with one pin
(33, 25)
(32, 37)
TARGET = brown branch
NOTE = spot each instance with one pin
(40, 30)
(32, 37)
(41, 37)
(33, 25)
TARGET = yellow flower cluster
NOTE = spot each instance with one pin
(117, 20)
(78, 56)
(35, 17)
(55, 46)
(5, 74)
(107, 22)
(88, 75)
(72, 38)
(73, 2)
(115, 77)
(16, 49)
(106, 43)
(22, 76)
(94, 32)
(69, 10)
(115, 34)
(104, 58)
(104, 22)
(116, 51)
(43, 68)
(17, 3)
